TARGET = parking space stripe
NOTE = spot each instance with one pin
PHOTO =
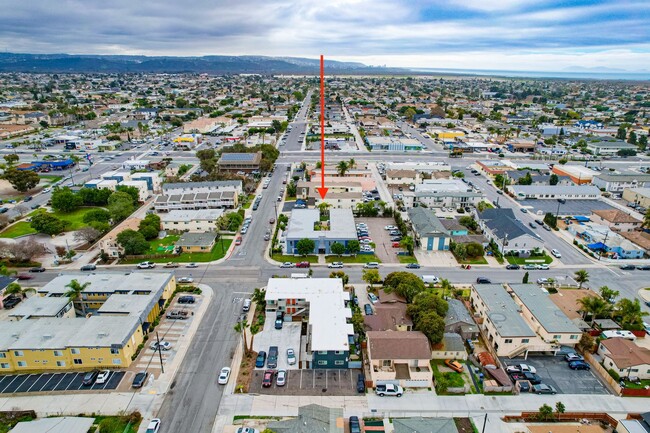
(10, 382)
(72, 381)
(34, 384)
(59, 381)
(48, 381)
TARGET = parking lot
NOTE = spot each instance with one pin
(310, 382)
(383, 245)
(287, 337)
(554, 370)
(54, 382)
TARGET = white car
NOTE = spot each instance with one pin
(154, 426)
(287, 265)
(291, 356)
(146, 265)
(281, 378)
(390, 228)
(521, 368)
(186, 280)
(102, 377)
(556, 253)
(542, 281)
(224, 375)
(336, 265)
(164, 345)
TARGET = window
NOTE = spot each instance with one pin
(4, 365)
(386, 363)
(338, 362)
(58, 353)
(22, 364)
(78, 361)
(117, 361)
(18, 353)
(557, 337)
(322, 352)
(339, 352)
(525, 340)
(322, 362)
(115, 351)
(60, 363)
(574, 337)
(3, 355)
(74, 351)
(508, 340)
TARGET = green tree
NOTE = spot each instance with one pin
(475, 249)
(608, 294)
(259, 297)
(371, 276)
(150, 226)
(337, 248)
(559, 409)
(581, 277)
(132, 191)
(75, 289)
(431, 325)
(342, 275)
(65, 200)
(305, 246)
(240, 328)
(21, 180)
(133, 242)
(99, 215)
(353, 247)
(550, 220)
(47, 223)
(17, 289)
(545, 412)
(427, 301)
(358, 322)
(594, 306)
(342, 167)
(632, 138)
(94, 196)
(120, 205)
(586, 343)
(621, 134)
(468, 222)
(460, 250)
(554, 179)
(525, 279)
(408, 244)
(629, 315)
(526, 180)
(643, 142)
(11, 159)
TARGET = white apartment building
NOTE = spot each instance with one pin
(443, 193)
(199, 195)
(203, 220)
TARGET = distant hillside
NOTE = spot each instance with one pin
(67, 63)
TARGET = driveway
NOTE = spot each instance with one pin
(554, 370)
(310, 382)
(287, 337)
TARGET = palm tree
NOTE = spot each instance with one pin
(240, 327)
(254, 328)
(352, 163)
(581, 277)
(594, 306)
(342, 167)
(259, 297)
(75, 293)
(16, 289)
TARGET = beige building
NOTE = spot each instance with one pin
(339, 195)
(616, 220)
(108, 244)
(399, 357)
(625, 357)
(640, 196)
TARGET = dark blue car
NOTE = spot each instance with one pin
(261, 359)
(368, 310)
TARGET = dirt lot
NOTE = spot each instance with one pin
(383, 249)
(567, 301)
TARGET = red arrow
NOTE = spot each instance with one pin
(322, 190)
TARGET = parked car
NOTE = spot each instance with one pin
(643, 267)
(154, 426)
(291, 356)
(187, 299)
(90, 377)
(355, 426)
(529, 267)
(335, 265)
(163, 345)
(361, 383)
(524, 210)
(287, 265)
(171, 265)
(513, 266)
(579, 365)
(483, 280)
(238, 240)
(37, 269)
(572, 356)
(532, 225)
(103, 376)
(272, 361)
(368, 310)
(146, 265)
(627, 267)
(267, 379)
(139, 379)
(88, 268)
(556, 253)
(278, 323)
(413, 266)
(389, 389)
(543, 388)
(542, 281)
(302, 265)
(191, 265)
(281, 378)
(224, 375)
(24, 277)
(185, 280)
(524, 386)
(177, 315)
(261, 359)
(373, 298)
(543, 267)
(521, 368)
(11, 301)
(371, 265)
(454, 365)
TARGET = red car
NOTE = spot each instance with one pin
(302, 265)
(267, 381)
(238, 240)
(24, 277)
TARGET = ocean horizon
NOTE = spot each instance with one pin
(608, 75)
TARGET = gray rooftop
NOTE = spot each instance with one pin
(110, 282)
(38, 306)
(301, 224)
(502, 221)
(457, 313)
(424, 425)
(214, 184)
(127, 305)
(66, 424)
(453, 342)
(552, 190)
(503, 312)
(311, 419)
(190, 239)
(624, 177)
(426, 223)
(191, 215)
(552, 319)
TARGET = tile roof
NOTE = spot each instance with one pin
(615, 216)
(626, 353)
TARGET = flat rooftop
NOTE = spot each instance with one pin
(110, 282)
(503, 312)
(301, 224)
(39, 306)
(549, 315)
(191, 215)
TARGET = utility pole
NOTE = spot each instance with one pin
(162, 368)
(484, 423)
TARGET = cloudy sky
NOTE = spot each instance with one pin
(542, 35)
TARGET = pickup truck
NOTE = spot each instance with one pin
(171, 265)
(389, 389)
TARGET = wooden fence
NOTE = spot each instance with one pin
(602, 372)
(567, 416)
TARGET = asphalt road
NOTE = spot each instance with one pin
(299, 125)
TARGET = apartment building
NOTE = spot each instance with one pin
(401, 357)
(437, 193)
(306, 224)
(551, 192)
(202, 220)
(617, 182)
(236, 162)
(322, 304)
(198, 195)
(339, 195)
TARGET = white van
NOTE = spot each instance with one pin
(247, 305)
(371, 265)
(430, 279)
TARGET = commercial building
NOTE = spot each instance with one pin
(578, 174)
(202, 220)
(640, 196)
(135, 164)
(501, 226)
(399, 357)
(323, 305)
(235, 162)
(399, 144)
(618, 182)
(437, 193)
(429, 233)
(550, 192)
(198, 195)
(306, 224)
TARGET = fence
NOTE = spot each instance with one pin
(633, 392)
(151, 256)
(602, 373)
(567, 416)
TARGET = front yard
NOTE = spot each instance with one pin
(407, 259)
(359, 258)
(74, 220)
(218, 251)
(294, 259)
(537, 260)
(447, 379)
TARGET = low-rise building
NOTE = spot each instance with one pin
(66, 424)
(401, 357)
(640, 196)
(399, 144)
(452, 346)
(552, 192)
(625, 357)
(429, 233)
(38, 307)
(311, 418)
(501, 226)
(578, 174)
(602, 240)
(198, 195)
(306, 224)
(609, 147)
(618, 182)
(437, 193)
(108, 244)
(135, 164)
(323, 305)
(202, 220)
(340, 195)
(141, 186)
(616, 220)
(235, 162)
(459, 321)
(196, 242)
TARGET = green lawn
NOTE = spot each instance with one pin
(534, 260)
(21, 228)
(453, 379)
(407, 259)
(7, 423)
(50, 178)
(359, 258)
(633, 385)
(294, 259)
(216, 254)
(74, 219)
(472, 261)
(166, 241)
(248, 201)
(116, 424)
